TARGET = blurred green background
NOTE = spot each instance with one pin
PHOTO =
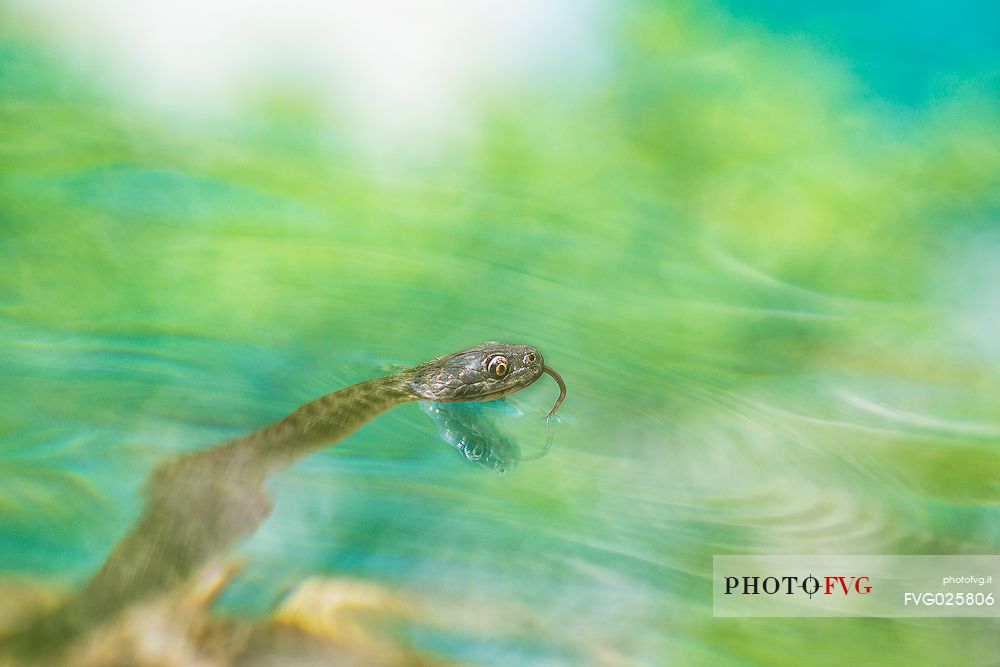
(760, 243)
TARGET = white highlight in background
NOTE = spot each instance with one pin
(392, 68)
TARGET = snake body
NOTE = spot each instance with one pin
(199, 504)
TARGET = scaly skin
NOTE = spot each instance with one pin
(200, 504)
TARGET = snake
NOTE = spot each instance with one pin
(201, 503)
(486, 372)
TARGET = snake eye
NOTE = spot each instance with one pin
(498, 366)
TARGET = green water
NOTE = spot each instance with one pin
(771, 290)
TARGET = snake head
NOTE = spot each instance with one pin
(485, 372)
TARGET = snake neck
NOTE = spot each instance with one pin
(319, 422)
(335, 415)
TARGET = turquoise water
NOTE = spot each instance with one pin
(767, 275)
(907, 55)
